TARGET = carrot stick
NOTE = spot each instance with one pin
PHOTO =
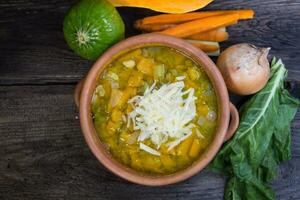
(201, 25)
(175, 18)
(245, 14)
(179, 18)
(151, 27)
(216, 35)
(205, 46)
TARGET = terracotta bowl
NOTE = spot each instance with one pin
(225, 129)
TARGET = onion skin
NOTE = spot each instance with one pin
(245, 68)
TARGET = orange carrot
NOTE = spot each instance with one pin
(151, 27)
(179, 18)
(175, 18)
(245, 14)
(207, 47)
(201, 25)
(215, 35)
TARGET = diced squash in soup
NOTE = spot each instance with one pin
(155, 109)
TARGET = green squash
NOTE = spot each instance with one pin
(91, 26)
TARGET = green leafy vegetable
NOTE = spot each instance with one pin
(262, 141)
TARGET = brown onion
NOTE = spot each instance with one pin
(245, 68)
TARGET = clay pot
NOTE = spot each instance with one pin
(225, 129)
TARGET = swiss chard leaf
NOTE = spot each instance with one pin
(248, 189)
(261, 142)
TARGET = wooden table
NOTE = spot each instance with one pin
(42, 152)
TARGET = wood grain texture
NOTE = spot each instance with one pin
(32, 41)
(42, 152)
(43, 155)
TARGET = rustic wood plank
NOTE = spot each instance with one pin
(43, 155)
(32, 42)
(42, 152)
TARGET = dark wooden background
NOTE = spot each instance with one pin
(42, 152)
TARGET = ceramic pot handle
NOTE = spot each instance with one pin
(77, 92)
(234, 122)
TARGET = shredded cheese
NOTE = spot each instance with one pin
(163, 114)
(149, 149)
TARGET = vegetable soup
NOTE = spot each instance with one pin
(155, 109)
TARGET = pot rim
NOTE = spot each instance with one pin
(98, 148)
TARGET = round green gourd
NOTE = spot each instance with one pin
(91, 26)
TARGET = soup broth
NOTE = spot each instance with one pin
(137, 76)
